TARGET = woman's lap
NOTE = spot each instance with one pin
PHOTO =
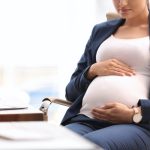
(116, 137)
(79, 128)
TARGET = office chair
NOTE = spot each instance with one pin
(49, 100)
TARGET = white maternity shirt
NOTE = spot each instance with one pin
(123, 89)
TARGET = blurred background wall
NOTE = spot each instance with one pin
(41, 42)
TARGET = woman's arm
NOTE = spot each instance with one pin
(79, 82)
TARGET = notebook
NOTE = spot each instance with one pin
(13, 98)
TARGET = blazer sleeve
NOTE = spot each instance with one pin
(78, 83)
(145, 108)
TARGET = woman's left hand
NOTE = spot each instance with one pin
(114, 112)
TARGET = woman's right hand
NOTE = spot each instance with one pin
(110, 67)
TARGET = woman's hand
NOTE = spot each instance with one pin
(110, 67)
(114, 112)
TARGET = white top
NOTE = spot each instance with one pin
(123, 89)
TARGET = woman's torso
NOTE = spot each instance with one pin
(124, 89)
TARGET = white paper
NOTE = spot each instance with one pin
(13, 98)
(41, 135)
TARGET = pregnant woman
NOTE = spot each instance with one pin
(110, 89)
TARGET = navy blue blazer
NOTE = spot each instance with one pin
(78, 84)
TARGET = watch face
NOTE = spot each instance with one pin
(137, 118)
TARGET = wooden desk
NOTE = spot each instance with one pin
(26, 114)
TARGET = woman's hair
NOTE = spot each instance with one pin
(148, 6)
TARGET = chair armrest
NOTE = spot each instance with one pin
(60, 101)
(49, 100)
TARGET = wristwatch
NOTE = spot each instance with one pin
(137, 117)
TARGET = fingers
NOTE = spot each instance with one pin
(118, 68)
(100, 114)
(104, 115)
(109, 106)
(118, 72)
(120, 63)
(103, 112)
(113, 67)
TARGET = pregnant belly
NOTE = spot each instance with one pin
(107, 89)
